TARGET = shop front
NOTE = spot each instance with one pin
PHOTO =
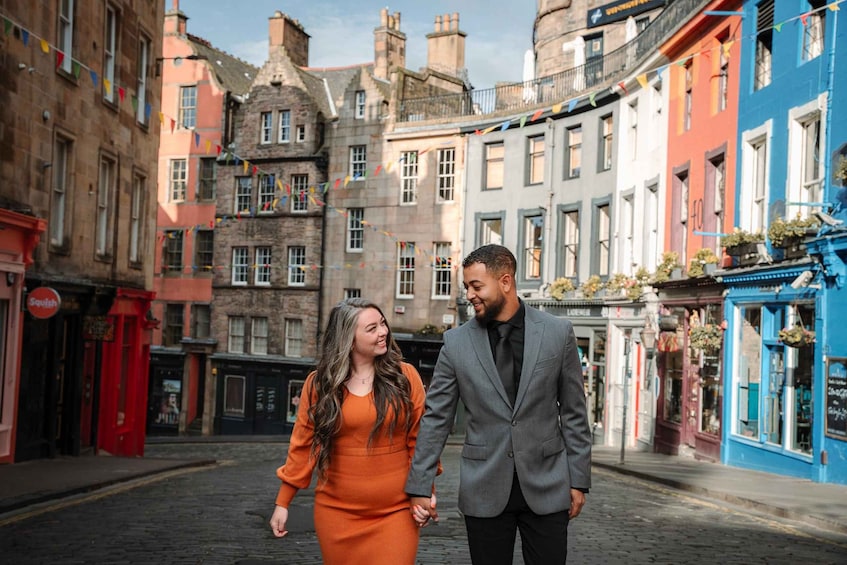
(258, 396)
(19, 234)
(690, 369)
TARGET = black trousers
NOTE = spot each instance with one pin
(544, 539)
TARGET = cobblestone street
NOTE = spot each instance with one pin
(219, 515)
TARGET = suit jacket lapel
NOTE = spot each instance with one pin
(533, 332)
(482, 348)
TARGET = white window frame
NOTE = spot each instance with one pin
(259, 336)
(352, 293)
(805, 179)
(204, 249)
(235, 334)
(65, 38)
(535, 156)
(358, 161)
(495, 154)
(409, 178)
(243, 200)
(299, 193)
(487, 234)
(763, 64)
(533, 233)
(207, 184)
(240, 266)
(627, 230)
(442, 271)
(604, 238)
(300, 134)
(405, 269)
(293, 337)
(110, 43)
(608, 139)
(355, 230)
(267, 191)
(284, 135)
(360, 104)
(574, 145)
(633, 129)
(136, 225)
(446, 175)
(296, 264)
(106, 184)
(570, 243)
(178, 180)
(187, 107)
(144, 50)
(262, 271)
(172, 251)
(814, 32)
(650, 250)
(61, 194)
(266, 126)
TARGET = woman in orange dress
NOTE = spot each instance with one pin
(356, 427)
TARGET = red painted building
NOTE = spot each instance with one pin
(703, 89)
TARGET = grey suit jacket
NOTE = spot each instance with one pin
(545, 436)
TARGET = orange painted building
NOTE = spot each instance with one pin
(703, 78)
(703, 109)
(200, 86)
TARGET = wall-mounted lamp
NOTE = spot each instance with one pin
(45, 165)
(177, 61)
(10, 278)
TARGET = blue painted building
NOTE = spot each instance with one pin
(784, 402)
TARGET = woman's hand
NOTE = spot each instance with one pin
(278, 520)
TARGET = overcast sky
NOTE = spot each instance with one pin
(498, 31)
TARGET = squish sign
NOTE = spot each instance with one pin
(43, 302)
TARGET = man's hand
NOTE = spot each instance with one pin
(577, 502)
(423, 510)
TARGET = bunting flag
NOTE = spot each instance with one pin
(557, 108)
(523, 121)
(93, 76)
(60, 58)
(535, 116)
(45, 47)
(505, 125)
(197, 140)
(572, 105)
(76, 69)
(591, 99)
(121, 93)
(622, 86)
(642, 80)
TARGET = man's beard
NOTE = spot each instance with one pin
(491, 311)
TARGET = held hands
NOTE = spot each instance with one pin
(577, 502)
(278, 520)
(423, 510)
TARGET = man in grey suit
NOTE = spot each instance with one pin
(526, 460)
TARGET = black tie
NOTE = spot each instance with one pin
(504, 358)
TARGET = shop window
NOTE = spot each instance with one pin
(672, 398)
(749, 371)
(295, 389)
(234, 389)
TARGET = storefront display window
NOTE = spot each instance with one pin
(749, 371)
(800, 367)
(295, 388)
(672, 403)
(234, 395)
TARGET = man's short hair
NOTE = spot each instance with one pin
(496, 258)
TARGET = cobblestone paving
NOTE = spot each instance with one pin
(219, 515)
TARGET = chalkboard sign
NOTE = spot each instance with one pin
(836, 399)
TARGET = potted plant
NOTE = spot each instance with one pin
(737, 241)
(796, 336)
(706, 338)
(705, 261)
(591, 286)
(669, 264)
(618, 283)
(637, 283)
(785, 234)
(561, 287)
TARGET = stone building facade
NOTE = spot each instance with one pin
(79, 141)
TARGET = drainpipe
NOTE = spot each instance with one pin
(830, 80)
(549, 267)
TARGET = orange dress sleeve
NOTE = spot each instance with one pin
(299, 464)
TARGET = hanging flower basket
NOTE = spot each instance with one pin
(797, 336)
(668, 342)
(707, 338)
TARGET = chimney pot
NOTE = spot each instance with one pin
(397, 20)
(383, 17)
(437, 24)
(455, 26)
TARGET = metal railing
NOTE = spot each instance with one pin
(565, 85)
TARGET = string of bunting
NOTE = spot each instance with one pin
(284, 191)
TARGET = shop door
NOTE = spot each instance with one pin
(594, 364)
(268, 416)
(89, 368)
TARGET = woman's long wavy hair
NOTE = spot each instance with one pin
(391, 389)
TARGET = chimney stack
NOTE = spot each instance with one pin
(175, 20)
(446, 46)
(288, 34)
(389, 44)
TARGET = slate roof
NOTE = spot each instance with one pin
(232, 73)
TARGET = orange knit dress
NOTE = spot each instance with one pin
(361, 511)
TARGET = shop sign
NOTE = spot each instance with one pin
(836, 398)
(620, 10)
(43, 302)
(98, 328)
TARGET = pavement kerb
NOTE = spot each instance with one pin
(743, 502)
(6, 508)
